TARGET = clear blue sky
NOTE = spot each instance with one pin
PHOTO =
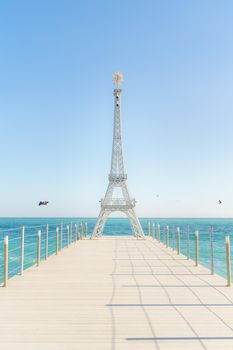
(56, 105)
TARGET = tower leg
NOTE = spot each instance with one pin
(99, 226)
(135, 224)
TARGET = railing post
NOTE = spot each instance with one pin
(57, 233)
(75, 233)
(61, 237)
(38, 247)
(5, 261)
(153, 231)
(71, 232)
(148, 229)
(188, 243)
(164, 235)
(167, 236)
(196, 248)
(228, 261)
(158, 233)
(22, 251)
(86, 229)
(81, 230)
(47, 242)
(68, 238)
(212, 250)
(178, 241)
(173, 232)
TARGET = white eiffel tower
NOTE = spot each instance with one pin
(117, 177)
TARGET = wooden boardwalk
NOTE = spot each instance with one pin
(116, 294)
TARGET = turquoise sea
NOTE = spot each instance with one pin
(114, 226)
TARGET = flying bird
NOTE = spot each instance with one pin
(219, 201)
(43, 203)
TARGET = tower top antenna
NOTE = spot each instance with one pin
(118, 78)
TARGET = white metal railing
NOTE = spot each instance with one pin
(26, 246)
(154, 232)
(118, 202)
(117, 178)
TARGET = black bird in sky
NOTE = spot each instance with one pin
(43, 203)
(219, 201)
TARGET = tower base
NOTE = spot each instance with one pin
(130, 213)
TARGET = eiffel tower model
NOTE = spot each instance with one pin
(117, 177)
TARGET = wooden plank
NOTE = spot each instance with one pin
(116, 293)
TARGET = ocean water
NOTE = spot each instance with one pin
(114, 226)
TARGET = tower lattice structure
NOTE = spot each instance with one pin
(117, 177)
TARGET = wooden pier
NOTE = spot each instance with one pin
(116, 294)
